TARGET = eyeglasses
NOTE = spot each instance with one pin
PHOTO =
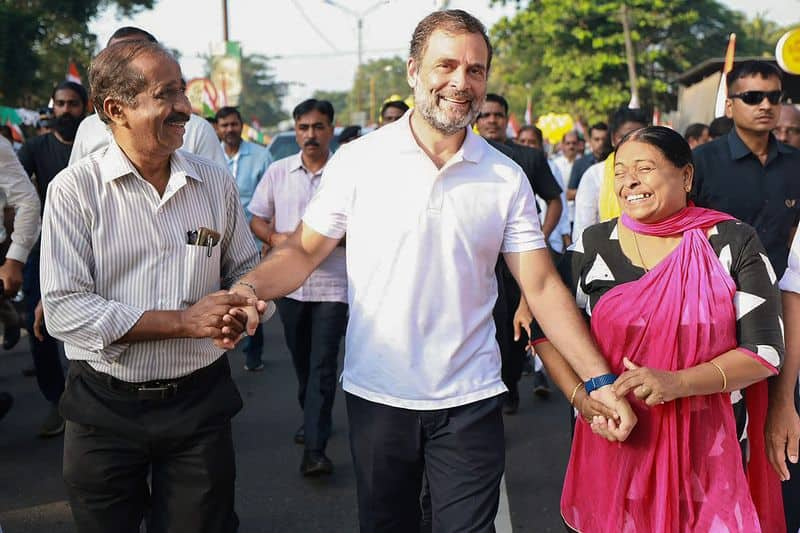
(756, 97)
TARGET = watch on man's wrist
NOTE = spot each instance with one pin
(599, 381)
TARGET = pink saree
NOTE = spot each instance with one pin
(680, 470)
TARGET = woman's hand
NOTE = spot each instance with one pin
(589, 408)
(653, 387)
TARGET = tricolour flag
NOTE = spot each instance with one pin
(529, 112)
(72, 73)
(722, 91)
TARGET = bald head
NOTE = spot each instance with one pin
(787, 130)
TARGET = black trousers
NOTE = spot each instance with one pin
(46, 357)
(114, 440)
(313, 332)
(461, 450)
(512, 353)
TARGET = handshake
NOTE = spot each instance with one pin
(225, 316)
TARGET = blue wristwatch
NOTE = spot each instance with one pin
(599, 381)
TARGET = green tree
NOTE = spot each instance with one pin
(261, 92)
(38, 39)
(570, 56)
(387, 75)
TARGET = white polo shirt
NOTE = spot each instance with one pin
(422, 244)
(790, 282)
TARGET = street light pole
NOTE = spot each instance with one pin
(225, 21)
(359, 16)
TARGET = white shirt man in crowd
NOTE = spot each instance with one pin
(93, 135)
(315, 315)
(135, 240)
(247, 162)
(427, 206)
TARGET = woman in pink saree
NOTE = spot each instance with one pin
(684, 305)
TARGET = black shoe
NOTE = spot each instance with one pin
(300, 435)
(11, 337)
(541, 387)
(6, 401)
(511, 404)
(315, 463)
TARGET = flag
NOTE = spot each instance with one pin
(722, 91)
(528, 112)
(16, 132)
(513, 126)
(72, 73)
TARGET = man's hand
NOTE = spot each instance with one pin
(589, 408)
(204, 319)
(522, 319)
(782, 432)
(619, 427)
(652, 386)
(11, 276)
(38, 321)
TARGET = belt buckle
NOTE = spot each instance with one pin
(160, 392)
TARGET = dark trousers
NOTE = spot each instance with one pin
(254, 346)
(313, 333)
(512, 353)
(461, 450)
(114, 440)
(46, 358)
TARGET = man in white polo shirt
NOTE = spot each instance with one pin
(427, 206)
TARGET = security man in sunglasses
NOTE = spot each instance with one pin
(748, 173)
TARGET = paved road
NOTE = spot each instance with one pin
(271, 495)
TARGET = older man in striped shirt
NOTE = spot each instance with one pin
(135, 241)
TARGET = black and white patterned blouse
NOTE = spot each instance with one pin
(596, 263)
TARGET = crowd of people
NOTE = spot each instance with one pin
(652, 275)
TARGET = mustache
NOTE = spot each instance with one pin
(311, 142)
(458, 95)
(178, 117)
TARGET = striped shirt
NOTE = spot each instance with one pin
(112, 248)
(283, 194)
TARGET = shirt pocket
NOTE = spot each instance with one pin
(200, 273)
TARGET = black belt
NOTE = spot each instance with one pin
(161, 389)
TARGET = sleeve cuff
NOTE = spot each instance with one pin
(529, 246)
(18, 252)
(325, 228)
(762, 358)
(790, 282)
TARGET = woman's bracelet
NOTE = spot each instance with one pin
(248, 285)
(724, 377)
(574, 392)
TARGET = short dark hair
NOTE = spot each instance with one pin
(399, 104)
(454, 21)
(572, 132)
(719, 127)
(77, 88)
(133, 33)
(747, 69)
(226, 112)
(624, 115)
(112, 76)
(536, 131)
(349, 133)
(694, 131)
(599, 126)
(668, 141)
(312, 104)
(496, 98)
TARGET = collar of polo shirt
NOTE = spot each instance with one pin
(114, 164)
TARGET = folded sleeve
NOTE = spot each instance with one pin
(523, 232)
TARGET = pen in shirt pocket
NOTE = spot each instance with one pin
(203, 236)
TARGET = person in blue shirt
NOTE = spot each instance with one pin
(247, 162)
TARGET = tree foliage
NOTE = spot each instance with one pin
(389, 78)
(261, 92)
(38, 39)
(570, 56)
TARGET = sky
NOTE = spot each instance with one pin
(313, 44)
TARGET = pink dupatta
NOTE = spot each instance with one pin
(680, 470)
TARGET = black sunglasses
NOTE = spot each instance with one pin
(756, 97)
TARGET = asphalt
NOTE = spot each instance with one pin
(271, 494)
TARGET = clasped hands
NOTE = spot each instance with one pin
(223, 316)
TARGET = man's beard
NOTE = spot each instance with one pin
(67, 126)
(427, 104)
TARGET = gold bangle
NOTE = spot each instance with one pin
(724, 377)
(574, 392)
